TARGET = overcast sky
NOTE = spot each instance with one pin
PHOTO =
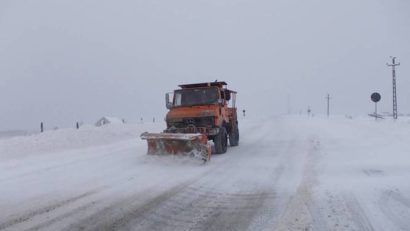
(63, 61)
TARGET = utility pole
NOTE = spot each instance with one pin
(289, 109)
(328, 104)
(393, 65)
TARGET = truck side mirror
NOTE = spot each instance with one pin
(168, 103)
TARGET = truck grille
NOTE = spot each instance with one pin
(197, 122)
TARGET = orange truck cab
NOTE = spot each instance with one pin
(206, 108)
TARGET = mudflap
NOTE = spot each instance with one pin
(191, 144)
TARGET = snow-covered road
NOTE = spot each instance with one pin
(289, 173)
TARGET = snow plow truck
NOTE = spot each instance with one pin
(198, 113)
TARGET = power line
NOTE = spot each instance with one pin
(393, 65)
(328, 104)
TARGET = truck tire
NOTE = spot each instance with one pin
(221, 141)
(234, 137)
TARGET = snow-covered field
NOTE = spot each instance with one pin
(288, 173)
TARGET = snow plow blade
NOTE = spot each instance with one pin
(195, 145)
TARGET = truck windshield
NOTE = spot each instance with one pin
(198, 96)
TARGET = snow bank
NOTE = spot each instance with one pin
(67, 139)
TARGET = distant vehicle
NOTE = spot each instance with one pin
(197, 113)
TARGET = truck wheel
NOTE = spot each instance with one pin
(221, 141)
(234, 137)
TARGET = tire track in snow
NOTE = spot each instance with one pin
(343, 212)
(130, 211)
(47, 209)
(210, 211)
(217, 203)
(305, 212)
(49, 222)
(299, 213)
(328, 210)
(116, 215)
(207, 205)
(396, 207)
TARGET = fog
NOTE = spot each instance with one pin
(77, 60)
